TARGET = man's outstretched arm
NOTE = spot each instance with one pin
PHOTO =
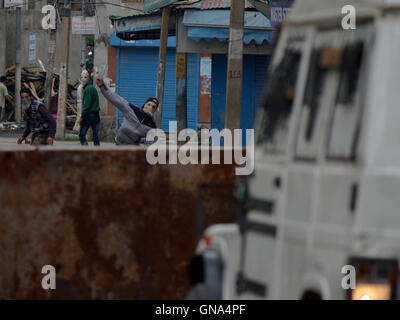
(114, 98)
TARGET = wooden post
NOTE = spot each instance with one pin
(3, 48)
(235, 66)
(17, 86)
(162, 59)
(181, 91)
(50, 67)
(63, 87)
(83, 40)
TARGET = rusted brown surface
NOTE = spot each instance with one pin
(112, 225)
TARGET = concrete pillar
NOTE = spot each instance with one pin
(101, 48)
(3, 47)
(31, 22)
(10, 38)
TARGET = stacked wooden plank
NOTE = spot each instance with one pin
(34, 80)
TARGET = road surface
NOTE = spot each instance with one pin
(11, 143)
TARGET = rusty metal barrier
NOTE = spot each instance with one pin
(113, 226)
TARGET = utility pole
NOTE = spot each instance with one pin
(3, 49)
(83, 41)
(63, 86)
(235, 66)
(51, 54)
(162, 59)
(181, 91)
(50, 67)
(181, 86)
(17, 87)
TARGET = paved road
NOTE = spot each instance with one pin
(11, 143)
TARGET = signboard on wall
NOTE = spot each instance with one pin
(83, 25)
(13, 3)
(205, 75)
(181, 69)
(150, 5)
(279, 10)
(32, 47)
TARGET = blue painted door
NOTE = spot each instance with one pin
(254, 71)
(261, 71)
(193, 73)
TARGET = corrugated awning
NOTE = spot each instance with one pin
(222, 35)
(214, 24)
(141, 26)
(116, 41)
(209, 4)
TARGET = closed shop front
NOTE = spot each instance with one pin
(137, 79)
(254, 75)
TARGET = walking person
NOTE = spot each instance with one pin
(90, 116)
(3, 95)
(38, 120)
(137, 122)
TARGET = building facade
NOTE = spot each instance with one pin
(31, 18)
(202, 32)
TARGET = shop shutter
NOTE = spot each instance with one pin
(138, 80)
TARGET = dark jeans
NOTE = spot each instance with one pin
(2, 113)
(90, 120)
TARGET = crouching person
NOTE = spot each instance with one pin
(38, 121)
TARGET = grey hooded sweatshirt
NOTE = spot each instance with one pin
(132, 130)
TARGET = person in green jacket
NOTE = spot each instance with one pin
(90, 110)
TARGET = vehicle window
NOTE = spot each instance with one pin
(345, 123)
(320, 94)
(349, 72)
(279, 99)
(315, 81)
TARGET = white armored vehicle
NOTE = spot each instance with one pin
(325, 194)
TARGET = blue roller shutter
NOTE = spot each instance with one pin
(248, 103)
(218, 90)
(219, 72)
(261, 64)
(137, 80)
(253, 88)
(193, 61)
